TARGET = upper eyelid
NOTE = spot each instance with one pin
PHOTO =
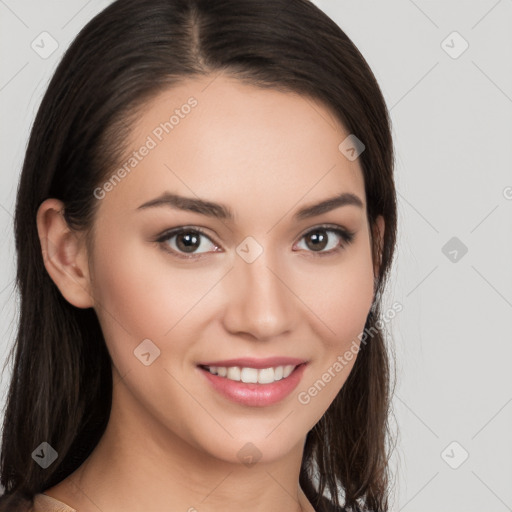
(167, 234)
(328, 227)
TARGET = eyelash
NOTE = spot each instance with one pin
(346, 236)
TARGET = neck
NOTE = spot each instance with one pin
(131, 471)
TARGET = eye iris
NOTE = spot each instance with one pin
(319, 240)
(187, 242)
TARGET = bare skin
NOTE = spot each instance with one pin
(172, 441)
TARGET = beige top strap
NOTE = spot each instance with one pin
(45, 503)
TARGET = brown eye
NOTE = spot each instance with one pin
(189, 241)
(316, 240)
(332, 238)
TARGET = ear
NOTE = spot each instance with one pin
(378, 242)
(64, 254)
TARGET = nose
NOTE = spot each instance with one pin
(261, 303)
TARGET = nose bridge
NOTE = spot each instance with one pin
(260, 302)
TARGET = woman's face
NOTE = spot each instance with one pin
(263, 282)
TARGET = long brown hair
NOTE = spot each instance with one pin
(61, 386)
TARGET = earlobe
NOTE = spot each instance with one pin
(64, 254)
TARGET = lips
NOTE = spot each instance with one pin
(252, 394)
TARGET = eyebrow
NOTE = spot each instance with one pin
(221, 211)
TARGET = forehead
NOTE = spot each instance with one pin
(223, 140)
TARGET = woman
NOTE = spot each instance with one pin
(204, 225)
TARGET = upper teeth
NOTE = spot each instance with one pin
(252, 375)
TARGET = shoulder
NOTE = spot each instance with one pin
(45, 503)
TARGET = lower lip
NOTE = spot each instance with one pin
(255, 395)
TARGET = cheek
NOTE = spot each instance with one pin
(139, 295)
(348, 314)
(341, 300)
(341, 297)
(133, 301)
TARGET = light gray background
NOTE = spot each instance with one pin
(452, 123)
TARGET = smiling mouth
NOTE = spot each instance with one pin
(252, 375)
